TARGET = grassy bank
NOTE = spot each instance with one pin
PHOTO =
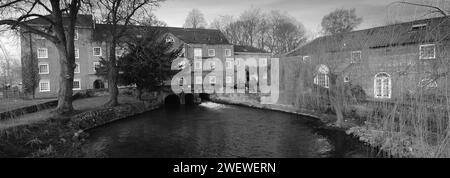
(61, 137)
(414, 128)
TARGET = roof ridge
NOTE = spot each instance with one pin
(385, 26)
(181, 28)
(387, 35)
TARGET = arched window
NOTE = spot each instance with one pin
(322, 78)
(382, 86)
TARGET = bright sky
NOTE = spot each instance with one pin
(308, 12)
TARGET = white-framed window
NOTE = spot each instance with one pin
(212, 80)
(306, 59)
(43, 68)
(229, 80)
(198, 53)
(227, 52)
(42, 53)
(428, 51)
(77, 68)
(355, 57)
(229, 64)
(97, 51)
(198, 65)
(77, 53)
(198, 80)
(382, 86)
(76, 84)
(322, 79)
(428, 83)
(417, 27)
(76, 34)
(44, 86)
(96, 65)
(211, 52)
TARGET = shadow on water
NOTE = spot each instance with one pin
(345, 146)
(212, 130)
(172, 101)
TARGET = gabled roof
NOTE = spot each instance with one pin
(187, 35)
(82, 20)
(247, 49)
(426, 31)
(198, 36)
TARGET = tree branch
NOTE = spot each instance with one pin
(15, 23)
(439, 10)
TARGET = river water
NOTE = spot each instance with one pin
(212, 130)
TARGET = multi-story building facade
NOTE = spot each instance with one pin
(388, 62)
(91, 45)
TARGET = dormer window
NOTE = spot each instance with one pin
(418, 27)
(169, 39)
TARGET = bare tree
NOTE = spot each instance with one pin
(262, 31)
(285, 33)
(340, 21)
(61, 20)
(151, 20)
(120, 14)
(276, 32)
(31, 75)
(250, 19)
(195, 19)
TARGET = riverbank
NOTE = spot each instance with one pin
(327, 119)
(51, 136)
(347, 128)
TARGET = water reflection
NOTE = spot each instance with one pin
(213, 130)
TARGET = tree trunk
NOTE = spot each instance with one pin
(139, 93)
(337, 97)
(112, 77)
(338, 109)
(65, 80)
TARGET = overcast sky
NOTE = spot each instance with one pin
(308, 12)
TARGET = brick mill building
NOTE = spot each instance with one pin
(91, 46)
(388, 62)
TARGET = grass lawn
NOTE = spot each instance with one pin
(11, 104)
(80, 105)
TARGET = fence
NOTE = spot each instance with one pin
(7, 94)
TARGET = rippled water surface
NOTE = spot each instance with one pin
(214, 130)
